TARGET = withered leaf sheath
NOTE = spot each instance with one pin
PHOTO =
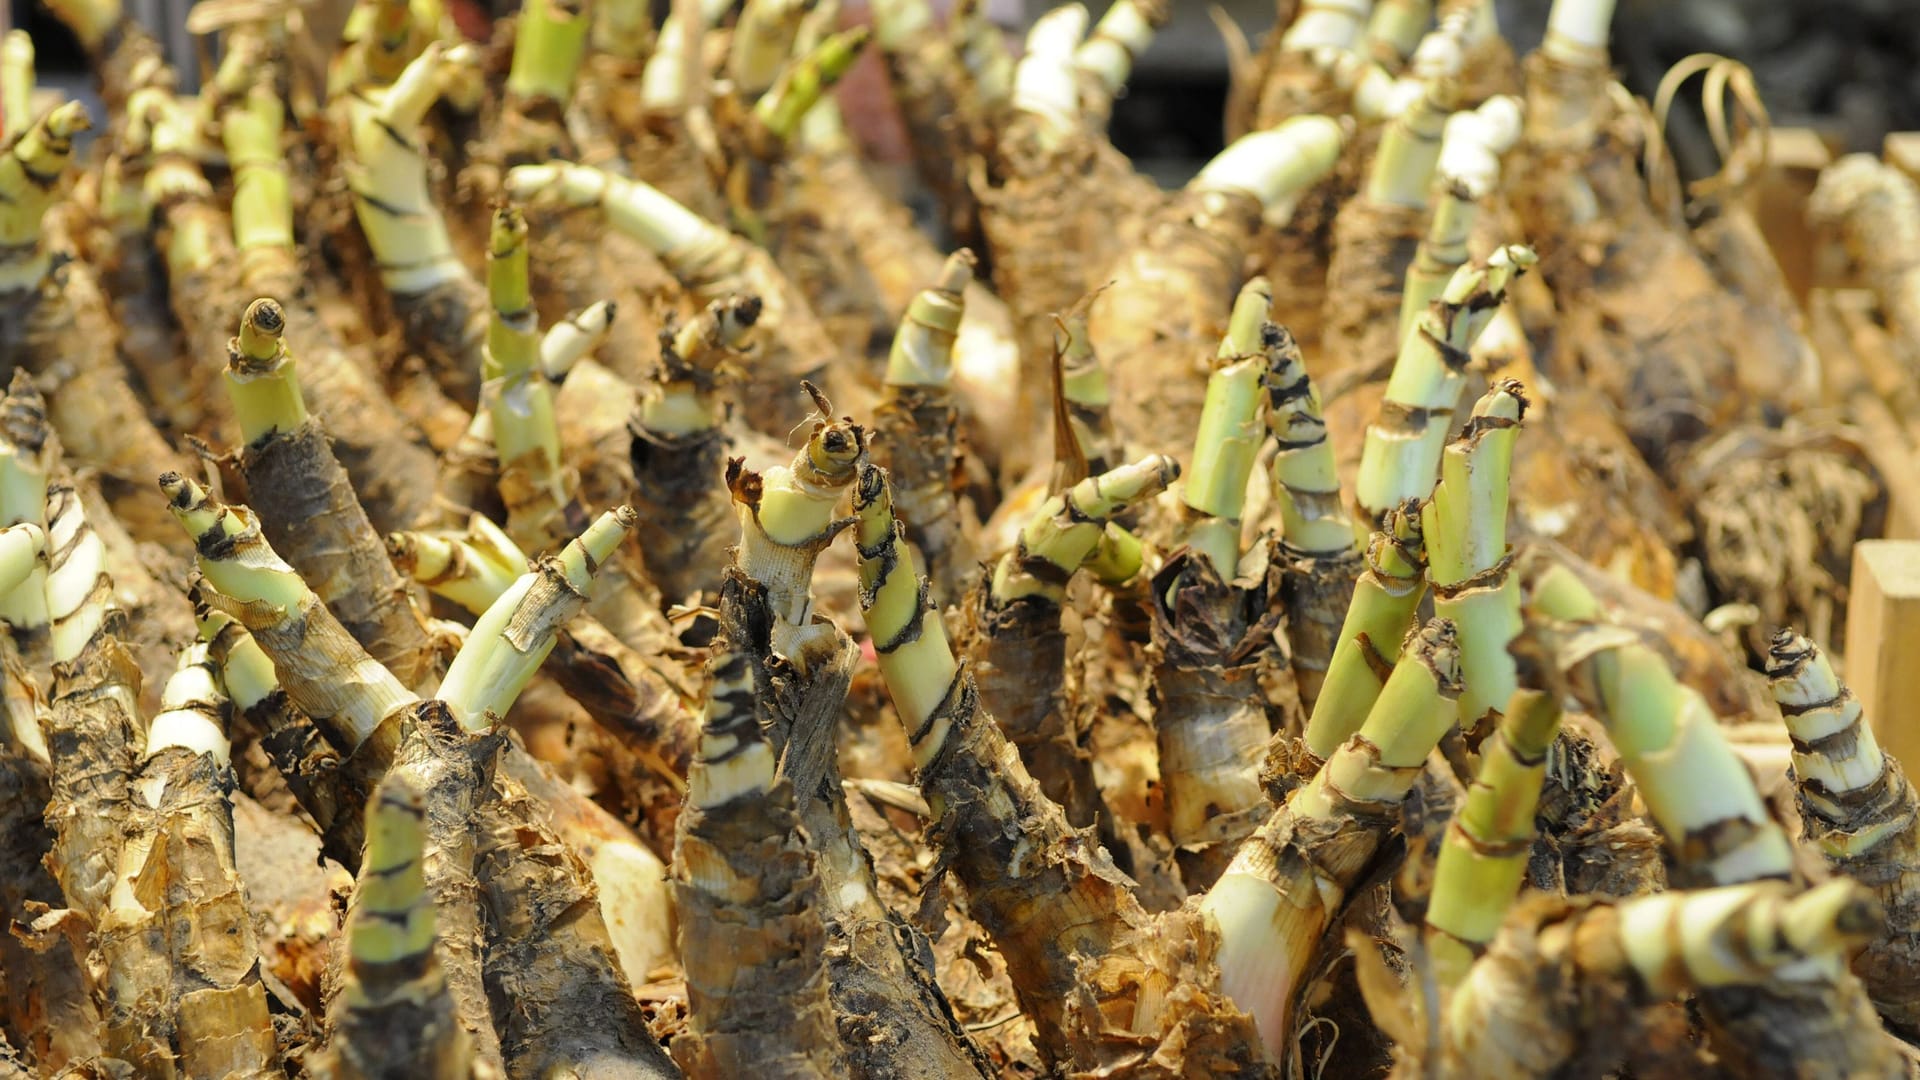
(1858, 809)
(748, 902)
(92, 730)
(182, 988)
(48, 1008)
(394, 1017)
(1212, 639)
(308, 508)
(893, 1018)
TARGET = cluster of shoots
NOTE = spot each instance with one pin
(541, 567)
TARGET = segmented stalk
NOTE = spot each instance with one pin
(1051, 901)
(1483, 858)
(1858, 810)
(1318, 542)
(680, 448)
(1106, 57)
(1229, 433)
(1468, 170)
(392, 472)
(1291, 878)
(761, 41)
(394, 1014)
(1468, 567)
(916, 426)
(1019, 652)
(94, 727)
(513, 637)
(535, 484)
(929, 83)
(712, 263)
(306, 502)
(1403, 448)
(31, 170)
(805, 80)
(23, 554)
(1703, 798)
(442, 308)
(1384, 600)
(471, 568)
(1395, 28)
(573, 338)
(1521, 1011)
(182, 987)
(747, 895)
(348, 693)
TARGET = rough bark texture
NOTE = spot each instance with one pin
(49, 1013)
(914, 436)
(1360, 329)
(92, 734)
(560, 1000)
(447, 326)
(894, 1021)
(687, 523)
(312, 517)
(182, 988)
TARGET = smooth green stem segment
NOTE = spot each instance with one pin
(1278, 165)
(922, 351)
(1402, 449)
(23, 551)
(1695, 786)
(31, 169)
(239, 563)
(471, 569)
(1067, 529)
(250, 130)
(1384, 601)
(550, 40)
(909, 638)
(570, 340)
(16, 82)
(1306, 484)
(804, 82)
(1483, 858)
(1275, 901)
(1230, 432)
(1044, 87)
(516, 393)
(509, 642)
(260, 375)
(1465, 525)
(679, 236)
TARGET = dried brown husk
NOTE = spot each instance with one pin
(1159, 324)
